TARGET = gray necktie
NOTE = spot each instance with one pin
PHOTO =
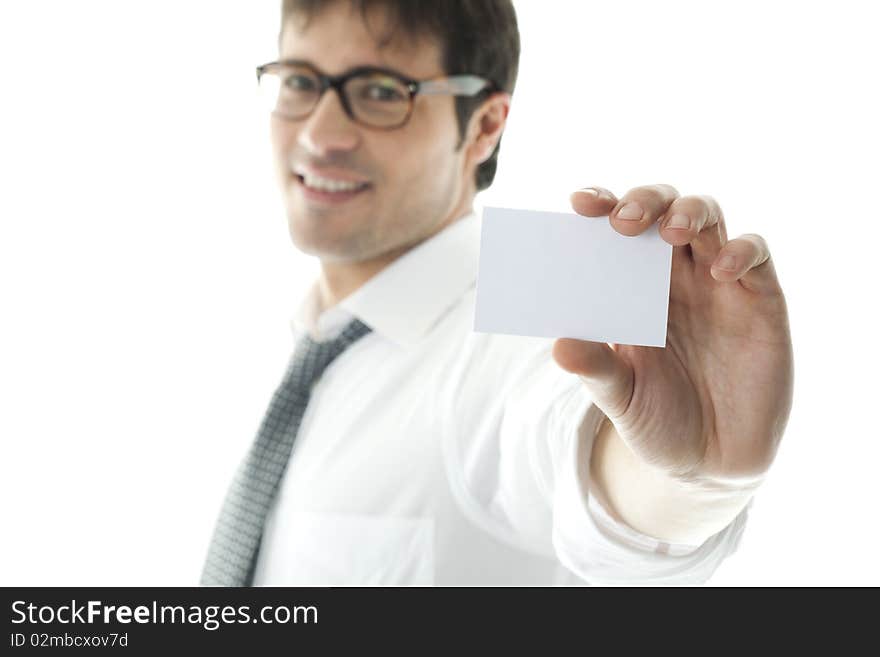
(233, 550)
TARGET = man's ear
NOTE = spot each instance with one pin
(486, 125)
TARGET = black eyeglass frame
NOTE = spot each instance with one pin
(452, 85)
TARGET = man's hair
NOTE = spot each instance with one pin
(477, 37)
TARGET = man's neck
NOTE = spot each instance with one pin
(338, 280)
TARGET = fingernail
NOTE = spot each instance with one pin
(588, 190)
(631, 212)
(678, 221)
(727, 262)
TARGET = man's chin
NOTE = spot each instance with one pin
(323, 241)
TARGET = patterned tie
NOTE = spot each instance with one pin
(233, 550)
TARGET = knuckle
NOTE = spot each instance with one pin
(667, 191)
(758, 242)
(691, 204)
(651, 196)
(711, 205)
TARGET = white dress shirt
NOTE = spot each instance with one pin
(434, 455)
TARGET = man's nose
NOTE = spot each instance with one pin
(328, 127)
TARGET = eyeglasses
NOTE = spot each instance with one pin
(371, 96)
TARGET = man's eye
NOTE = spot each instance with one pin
(300, 83)
(381, 92)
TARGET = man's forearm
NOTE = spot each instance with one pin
(655, 504)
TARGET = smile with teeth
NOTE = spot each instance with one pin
(330, 185)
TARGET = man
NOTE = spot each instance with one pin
(426, 453)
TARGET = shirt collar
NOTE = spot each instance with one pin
(409, 296)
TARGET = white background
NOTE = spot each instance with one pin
(147, 278)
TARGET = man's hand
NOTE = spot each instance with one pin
(712, 406)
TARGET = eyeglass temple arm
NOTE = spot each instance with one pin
(456, 85)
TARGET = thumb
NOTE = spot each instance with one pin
(593, 201)
(608, 377)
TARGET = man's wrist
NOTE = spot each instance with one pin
(656, 503)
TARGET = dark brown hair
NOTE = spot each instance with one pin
(477, 37)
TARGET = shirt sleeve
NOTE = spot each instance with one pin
(602, 550)
(527, 464)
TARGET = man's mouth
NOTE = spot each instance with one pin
(328, 187)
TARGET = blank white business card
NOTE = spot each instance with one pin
(563, 275)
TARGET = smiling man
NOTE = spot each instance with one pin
(403, 448)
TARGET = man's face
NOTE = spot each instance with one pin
(416, 180)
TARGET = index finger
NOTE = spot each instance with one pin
(640, 207)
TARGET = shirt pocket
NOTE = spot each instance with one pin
(335, 549)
